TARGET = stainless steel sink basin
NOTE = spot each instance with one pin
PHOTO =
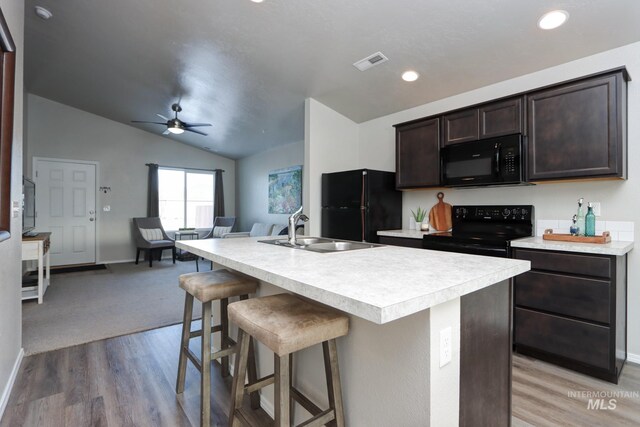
(339, 246)
(321, 244)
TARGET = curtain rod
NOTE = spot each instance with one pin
(181, 167)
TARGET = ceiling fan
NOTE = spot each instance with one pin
(175, 125)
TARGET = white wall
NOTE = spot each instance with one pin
(330, 145)
(10, 250)
(620, 199)
(252, 183)
(59, 131)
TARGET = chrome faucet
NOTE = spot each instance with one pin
(293, 221)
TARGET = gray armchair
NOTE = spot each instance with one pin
(151, 237)
(221, 226)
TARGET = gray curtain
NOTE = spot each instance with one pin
(218, 195)
(153, 204)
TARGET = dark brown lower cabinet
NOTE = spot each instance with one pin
(570, 309)
(401, 241)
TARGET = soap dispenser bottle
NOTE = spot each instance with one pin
(590, 222)
(580, 218)
(574, 230)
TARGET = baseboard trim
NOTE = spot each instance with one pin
(633, 358)
(117, 261)
(267, 405)
(4, 399)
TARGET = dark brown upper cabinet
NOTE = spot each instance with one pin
(461, 126)
(418, 154)
(501, 118)
(578, 129)
(483, 121)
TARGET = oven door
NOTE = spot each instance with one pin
(474, 248)
(473, 163)
(495, 161)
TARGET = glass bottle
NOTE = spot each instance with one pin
(580, 218)
(590, 222)
(573, 230)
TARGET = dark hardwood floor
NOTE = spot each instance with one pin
(123, 381)
(130, 380)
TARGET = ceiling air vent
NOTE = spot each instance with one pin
(370, 61)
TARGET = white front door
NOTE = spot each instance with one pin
(66, 206)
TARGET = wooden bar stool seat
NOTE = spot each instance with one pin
(285, 324)
(208, 287)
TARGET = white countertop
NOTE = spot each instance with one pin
(407, 234)
(379, 284)
(614, 248)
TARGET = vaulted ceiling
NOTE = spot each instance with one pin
(247, 67)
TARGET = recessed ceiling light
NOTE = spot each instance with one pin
(410, 76)
(43, 13)
(257, 1)
(553, 19)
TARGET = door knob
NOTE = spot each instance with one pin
(92, 212)
(91, 219)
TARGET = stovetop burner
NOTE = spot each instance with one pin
(483, 230)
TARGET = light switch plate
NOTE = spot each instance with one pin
(15, 209)
(106, 208)
(445, 346)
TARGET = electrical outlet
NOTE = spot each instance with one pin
(596, 208)
(445, 346)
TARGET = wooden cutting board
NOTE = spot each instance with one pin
(440, 214)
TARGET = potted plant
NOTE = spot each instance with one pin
(419, 215)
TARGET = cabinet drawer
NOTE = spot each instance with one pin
(579, 341)
(401, 241)
(29, 251)
(565, 262)
(580, 297)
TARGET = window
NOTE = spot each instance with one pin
(186, 198)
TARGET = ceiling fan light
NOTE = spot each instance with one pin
(175, 130)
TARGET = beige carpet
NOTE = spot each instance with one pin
(94, 305)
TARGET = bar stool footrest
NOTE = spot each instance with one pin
(319, 420)
(261, 383)
(304, 401)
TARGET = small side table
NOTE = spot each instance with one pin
(182, 255)
(37, 248)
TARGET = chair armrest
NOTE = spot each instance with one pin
(235, 234)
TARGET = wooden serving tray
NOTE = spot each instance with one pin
(548, 235)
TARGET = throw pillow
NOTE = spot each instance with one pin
(152, 234)
(219, 231)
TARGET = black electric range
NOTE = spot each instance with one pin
(483, 230)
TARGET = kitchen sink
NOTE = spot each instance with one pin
(321, 244)
(339, 246)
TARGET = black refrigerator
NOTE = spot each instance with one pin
(358, 203)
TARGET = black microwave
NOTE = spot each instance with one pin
(495, 161)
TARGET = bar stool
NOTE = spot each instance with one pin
(286, 323)
(207, 287)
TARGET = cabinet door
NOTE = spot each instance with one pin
(576, 130)
(501, 118)
(418, 154)
(461, 126)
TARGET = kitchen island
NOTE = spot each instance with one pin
(402, 303)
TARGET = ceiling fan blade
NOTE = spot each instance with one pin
(195, 131)
(162, 117)
(141, 121)
(192, 125)
(166, 132)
